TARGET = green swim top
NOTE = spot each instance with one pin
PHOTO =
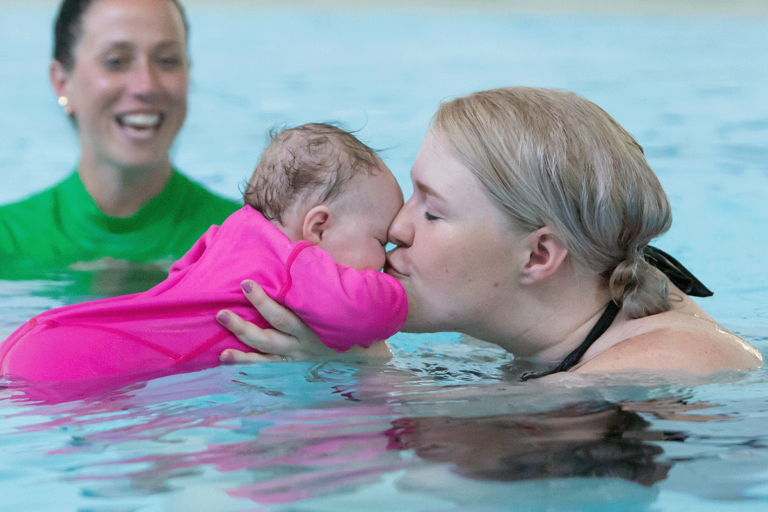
(63, 225)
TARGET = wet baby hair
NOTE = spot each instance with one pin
(313, 160)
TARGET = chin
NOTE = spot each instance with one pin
(417, 323)
(137, 160)
(412, 324)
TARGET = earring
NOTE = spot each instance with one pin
(64, 103)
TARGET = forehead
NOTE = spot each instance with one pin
(437, 172)
(120, 20)
(377, 196)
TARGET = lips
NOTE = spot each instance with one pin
(389, 269)
(140, 121)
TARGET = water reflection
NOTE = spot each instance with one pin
(597, 440)
(83, 281)
(26, 292)
(282, 457)
(313, 433)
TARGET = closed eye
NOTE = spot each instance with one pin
(430, 217)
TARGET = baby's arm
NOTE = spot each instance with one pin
(290, 339)
(344, 307)
(338, 305)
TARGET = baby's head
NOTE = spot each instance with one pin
(319, 183)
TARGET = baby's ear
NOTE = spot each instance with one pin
(316, 222)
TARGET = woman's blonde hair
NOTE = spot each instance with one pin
(552, 158)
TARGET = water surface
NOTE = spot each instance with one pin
(441, 426)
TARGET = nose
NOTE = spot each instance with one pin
(144, 78)
(401, 230)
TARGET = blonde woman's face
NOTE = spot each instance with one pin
(457, 257)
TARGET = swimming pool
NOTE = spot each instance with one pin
(440, 427)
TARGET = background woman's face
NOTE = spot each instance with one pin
(456, 252)
(128, 86)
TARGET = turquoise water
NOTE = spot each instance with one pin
(440, 427)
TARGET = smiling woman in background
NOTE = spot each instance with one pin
(120, 71)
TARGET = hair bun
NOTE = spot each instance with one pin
(639, 288)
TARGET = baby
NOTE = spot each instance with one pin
(312, 234)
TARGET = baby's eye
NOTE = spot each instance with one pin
(430, 217)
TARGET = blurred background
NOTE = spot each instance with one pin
(689, 79)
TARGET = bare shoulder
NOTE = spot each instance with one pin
(684, 339)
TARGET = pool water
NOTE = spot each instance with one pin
(442, 426)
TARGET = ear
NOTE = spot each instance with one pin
(545, 254)
(58, 78)
(316, 222)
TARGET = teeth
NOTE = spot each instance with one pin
(141, 120)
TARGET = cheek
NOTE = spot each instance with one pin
(379, 261)
(437, 277)
(443, 260)
(360, 255)
(98, 95)
(460, 275)
(177, 85)
(375, 256)
(363, 255)
(178, 112)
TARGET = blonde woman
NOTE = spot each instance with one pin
(529, 227)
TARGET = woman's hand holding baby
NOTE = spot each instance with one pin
(290, 339)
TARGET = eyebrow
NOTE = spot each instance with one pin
(117, 45)
(169, 44)
(426, 190)
(125, 45)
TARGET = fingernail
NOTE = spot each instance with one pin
(223, 318)
(246, 286)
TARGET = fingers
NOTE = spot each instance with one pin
(267, 341)
(232, 356)
(289, 337)
(279, 317)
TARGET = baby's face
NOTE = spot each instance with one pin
(358, 235)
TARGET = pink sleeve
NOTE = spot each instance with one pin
(343, 306)
(195, 252)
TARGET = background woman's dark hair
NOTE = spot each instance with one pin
(68, 29)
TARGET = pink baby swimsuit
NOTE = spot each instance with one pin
(174, 322)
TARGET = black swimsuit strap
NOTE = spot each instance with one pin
(673, 269)
(602, 325)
